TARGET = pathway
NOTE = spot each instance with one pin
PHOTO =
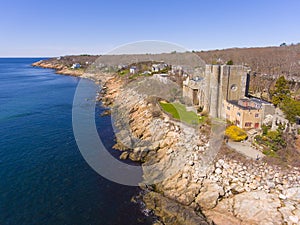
(246, 149)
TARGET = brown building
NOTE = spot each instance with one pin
(247, 113)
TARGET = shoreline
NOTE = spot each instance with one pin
(233, 190)
(59, 69)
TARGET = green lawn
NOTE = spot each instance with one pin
(123, 72)
(178, 111)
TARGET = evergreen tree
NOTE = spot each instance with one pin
(291, 109)
(281, 91)
(230, 62)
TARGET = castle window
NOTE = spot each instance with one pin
(248, 124)
(256, 115)
(228, 108)
(238, 114)
(233, 87)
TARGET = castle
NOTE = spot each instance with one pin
(222, 91)
(218, 83)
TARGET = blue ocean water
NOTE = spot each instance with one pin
(43, 177)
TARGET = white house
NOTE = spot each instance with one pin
(75, 66)
(133, 70)
(158, 67)
(147, 72)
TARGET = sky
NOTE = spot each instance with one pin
(53, 28)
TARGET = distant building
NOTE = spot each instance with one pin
(191, 89)
(248, 113)
(158, 67)
(133, 70)
(75, 66)
(122, 66)
(146, 72)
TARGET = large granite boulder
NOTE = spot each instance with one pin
(209, 195)
(257, 207)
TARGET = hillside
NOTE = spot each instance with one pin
(266, 63)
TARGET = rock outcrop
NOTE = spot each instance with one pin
(171, 212)
(59, 68)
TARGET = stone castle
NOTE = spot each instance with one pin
(217, 83)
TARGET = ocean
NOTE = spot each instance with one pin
(43, 177)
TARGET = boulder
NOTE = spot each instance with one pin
(293, 193)
(171, 212)
(209, 195)
(124, 155)
(257, 207)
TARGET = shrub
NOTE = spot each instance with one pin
(230, 62)
(235, 133)
(264, 129)
(270, 153)
(273, 135)
(291, 109)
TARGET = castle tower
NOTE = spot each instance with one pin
(223, 82)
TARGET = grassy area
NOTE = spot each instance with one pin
(178, 111)
(123, 72)
(133, 76)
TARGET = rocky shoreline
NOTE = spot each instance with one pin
(59, 68)
(228, 191)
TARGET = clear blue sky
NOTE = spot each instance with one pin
(52, 28)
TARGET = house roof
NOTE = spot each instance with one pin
(259, 101)
(235, 103)
(197, 79)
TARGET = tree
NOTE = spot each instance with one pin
(291, 109)
(230, 62)
(281, 91)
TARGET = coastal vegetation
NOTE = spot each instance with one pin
(123, 72)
